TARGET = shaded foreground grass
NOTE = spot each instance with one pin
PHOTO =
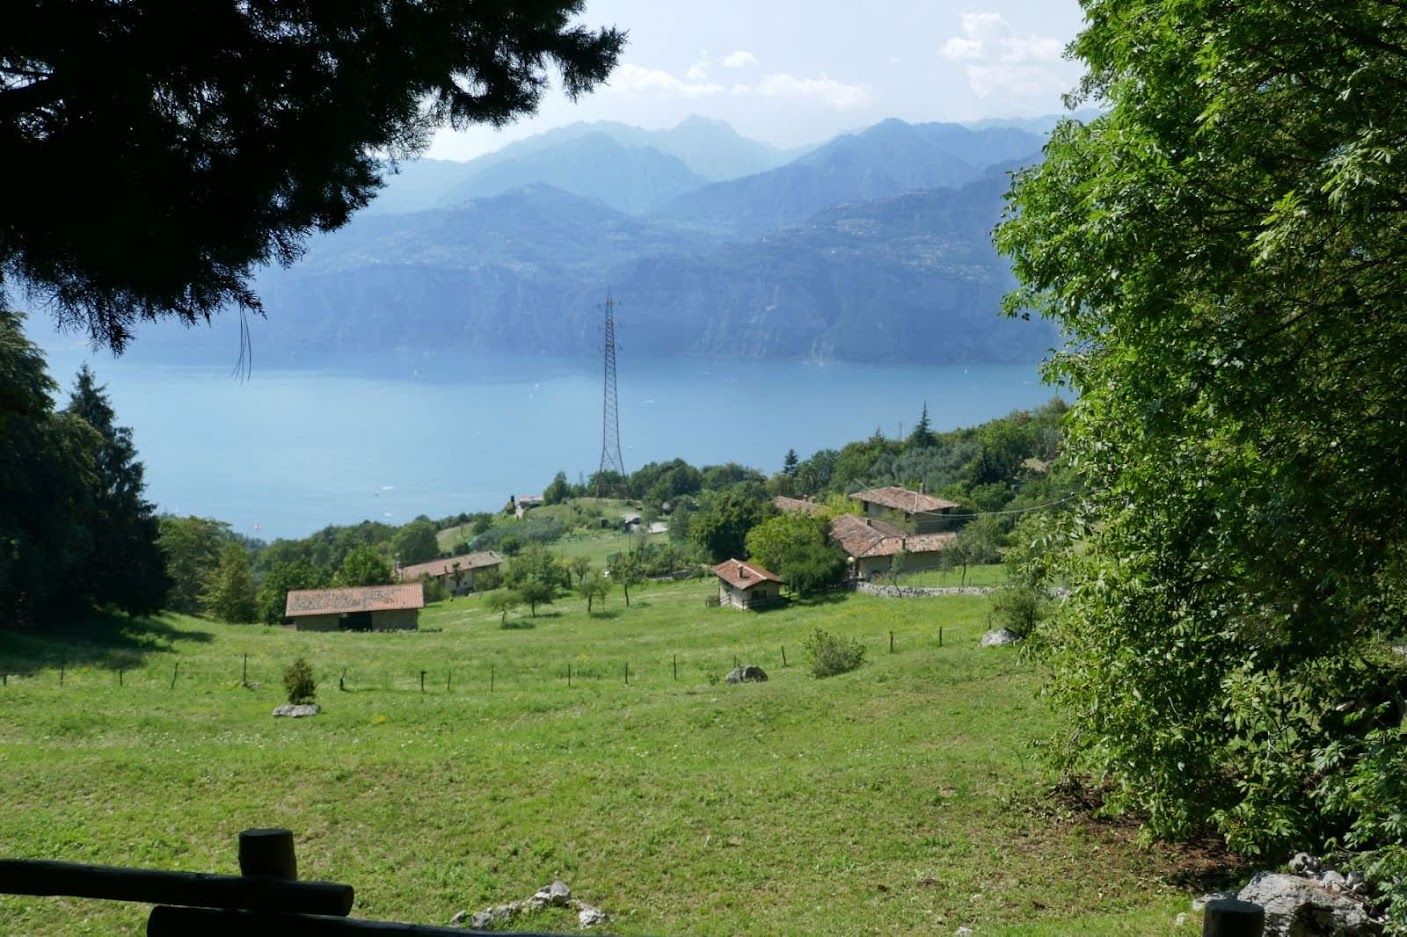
(901, 798)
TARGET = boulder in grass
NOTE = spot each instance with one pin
(999, 637)
(1297, 907)
(749, 673)
(297, 710)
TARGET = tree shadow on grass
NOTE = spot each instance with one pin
(819, 599)
(611, 614)
(99, 639)
(518, 624)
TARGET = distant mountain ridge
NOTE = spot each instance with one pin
(875, 246)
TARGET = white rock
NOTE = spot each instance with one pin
(1295, 907)
(297, 710)
(999, 637)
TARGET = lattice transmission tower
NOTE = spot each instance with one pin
(610, 410)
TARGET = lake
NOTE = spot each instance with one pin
(287, 452)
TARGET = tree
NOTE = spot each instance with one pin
(230, 595)
(278, 581)
(47, 481)
(814, 567)
(1223, 250)
(536, 592)
(593, 588)
(503, 601)
(193, 547)
(977, 543)
(626, 572)
(364, 566)
(719, 527)
(559, 491)
(778, 540)
(126, 568)
(416, 542)
(790, 462)
(159, 174)
(581, 565)
(922, 435)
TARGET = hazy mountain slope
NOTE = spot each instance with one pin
(885, 160)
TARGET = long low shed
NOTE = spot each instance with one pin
(366, 608)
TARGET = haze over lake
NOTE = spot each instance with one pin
(290, 451)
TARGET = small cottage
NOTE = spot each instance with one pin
(365, 608)
(456, 573)
(747, 585)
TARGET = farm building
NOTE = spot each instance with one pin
(456, 573)
(872, 544)
(747, 585)
(366, 608)
(922, 514)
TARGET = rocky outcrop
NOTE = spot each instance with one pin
(555, 895)
(1305, 907)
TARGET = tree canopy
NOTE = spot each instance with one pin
(1223, 248)
(165, 150)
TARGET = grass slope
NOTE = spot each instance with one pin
(901, 798)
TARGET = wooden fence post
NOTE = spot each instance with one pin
(1228, 917)
(268, 854)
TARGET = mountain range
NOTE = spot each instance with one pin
(875, 246)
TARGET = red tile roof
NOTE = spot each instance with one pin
(903, 499)
(303, 602)
(466, 562)
(787, 505)
(743, 575)
(865, 536)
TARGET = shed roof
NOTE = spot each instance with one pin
(866, 536)
(303, 602)
(741, 574)
(466, 561)
(904, 499)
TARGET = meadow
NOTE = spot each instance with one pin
(904, 797)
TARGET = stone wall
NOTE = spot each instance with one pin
(914, 592)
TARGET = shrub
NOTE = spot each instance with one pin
(1019, 609)
(434, 589)
(298, 681)
(830, 654)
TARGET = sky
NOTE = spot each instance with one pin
(796, 72)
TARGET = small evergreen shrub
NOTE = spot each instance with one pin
(298, 681)
(1019, 609)
(829, 654)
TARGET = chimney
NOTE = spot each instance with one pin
(742, 571)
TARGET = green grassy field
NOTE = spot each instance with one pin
(905, 797)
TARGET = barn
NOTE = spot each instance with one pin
(364, 608)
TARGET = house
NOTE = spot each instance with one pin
(457, 573)
(796, 505)
(524, 503)
(747, 585)
(922, 514)
(872, 544)
(365, 608)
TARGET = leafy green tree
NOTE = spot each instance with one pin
(193, 547)
(225, 149)
(628, 573)
(559, 491)
(126, 568)
(977, 543)
(230, 594)
(536, 592)
(278, 581)
(503, 601)
(416, 542)
(364, 566)
(593, 588)
(581, 566)
(774, 542)
(536, 563)
(814, 567)
(719, 527)
(1223, 250)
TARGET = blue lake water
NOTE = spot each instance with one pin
(289, 451)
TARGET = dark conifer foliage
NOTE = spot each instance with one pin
(158, 152)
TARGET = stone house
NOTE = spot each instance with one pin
(364, 608)
(913, 511)
(456, 574)
(872, 544)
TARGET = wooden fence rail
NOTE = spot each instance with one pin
(265, 899)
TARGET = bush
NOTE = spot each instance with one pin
(829, 654)
(434, 589)
(1019, 609)
(298, 681)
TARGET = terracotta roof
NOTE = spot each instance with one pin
(466, 562)
(865, 536)
(743, 575)
(788, 505)
(361, 599)
(903, 499)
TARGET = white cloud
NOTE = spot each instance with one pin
(998, 61)
(828, 91)
(629, 78)
(741, 59)
(989, 37)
